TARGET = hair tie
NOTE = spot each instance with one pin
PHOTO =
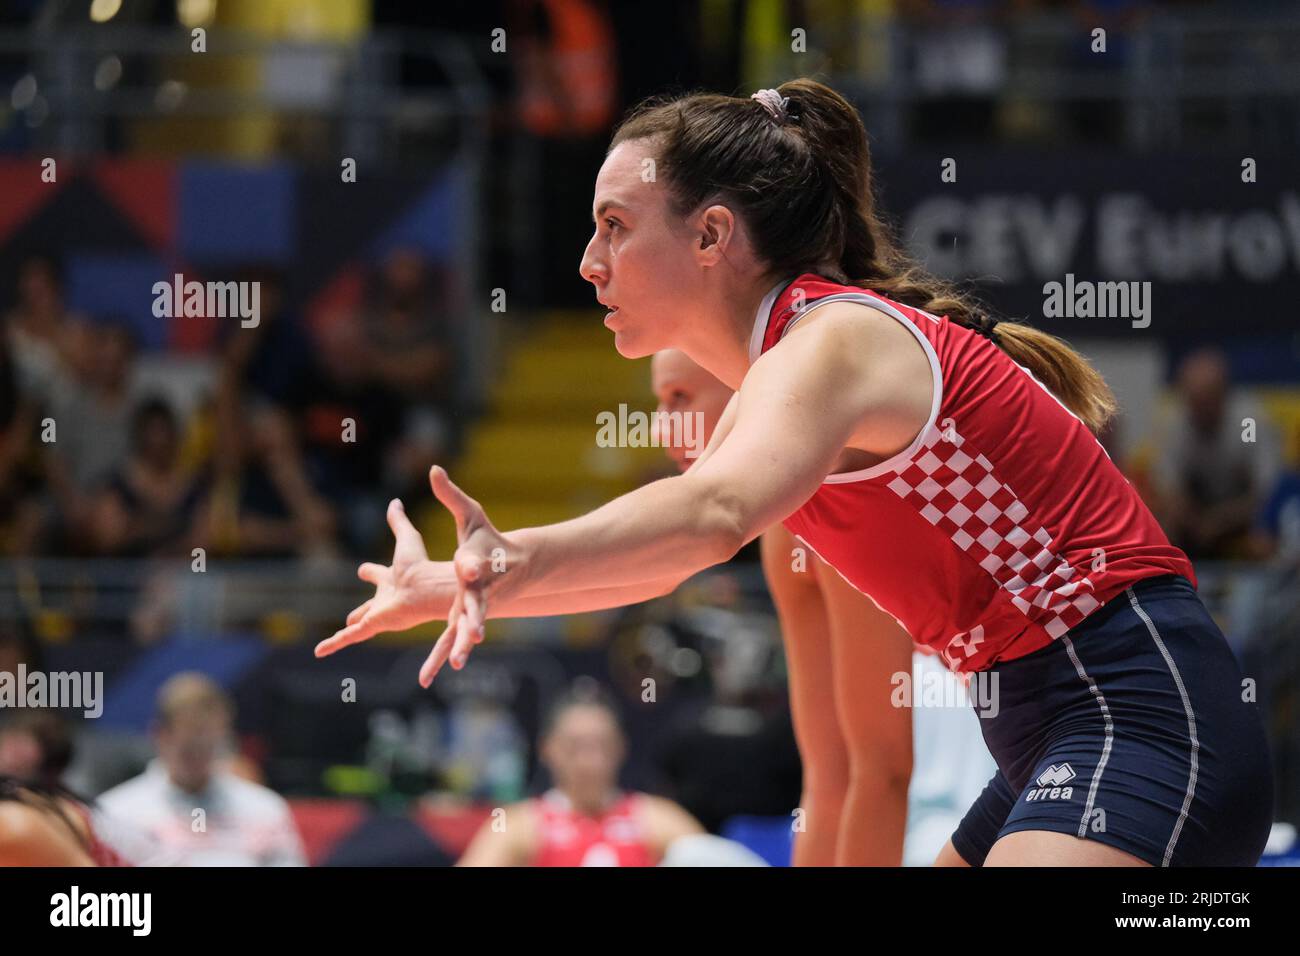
(984, 325)
(775, 104)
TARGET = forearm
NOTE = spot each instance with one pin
(578, 602)
(440, 592)
(668, 529)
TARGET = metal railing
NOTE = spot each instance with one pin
(1238, 72)
(1157, 71)
(1256, 604)
(81, 80)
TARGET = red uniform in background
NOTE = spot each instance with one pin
(569, 838)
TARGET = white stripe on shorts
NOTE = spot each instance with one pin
(1110, 736)
(1191, 724)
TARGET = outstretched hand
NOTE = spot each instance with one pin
(407, 592)
(480, 564)
(413, 589)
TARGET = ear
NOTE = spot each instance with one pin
(716, 229)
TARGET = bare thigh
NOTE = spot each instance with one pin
(1046, 848)
(949, 856)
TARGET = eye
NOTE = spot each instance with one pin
(613, 224)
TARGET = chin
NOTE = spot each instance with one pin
(630, 346)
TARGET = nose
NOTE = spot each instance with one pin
(591, 267)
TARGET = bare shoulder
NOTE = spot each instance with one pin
(517, 819)
(29, 837)
(508, 837)
(854, 346)
(17, 821)
(871, 361)
(845, 324)
(666, 819)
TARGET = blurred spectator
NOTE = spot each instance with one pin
(35, 750)
(347, 429)
(1210, 479)
(152, 505)
(376, 414)
(263, 501)
(566, 61)
(407, 348)
(262, 504)
(188, 808)
(37, 327)
(20, 482)
(92, 411)
(35, 746)
(269, 363)
(405, 342)
(1277, 529)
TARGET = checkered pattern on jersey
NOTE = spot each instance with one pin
(954, 489)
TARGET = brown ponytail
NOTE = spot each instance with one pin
(1067, 374)
(802, 180)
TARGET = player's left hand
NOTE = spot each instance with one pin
(481, 566)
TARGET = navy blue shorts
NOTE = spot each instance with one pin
(1134, 729)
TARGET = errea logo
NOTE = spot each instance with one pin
(1051, 784)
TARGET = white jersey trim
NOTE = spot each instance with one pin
(890, 464)
(762, 317)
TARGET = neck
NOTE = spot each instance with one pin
(192, 787)
(720, 343)
(591, 804)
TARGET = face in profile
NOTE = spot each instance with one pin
(584, 752)
(683, 387)
(640, 257)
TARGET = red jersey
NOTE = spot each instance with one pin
(100, 852)
(568, 838)
(1001, 526)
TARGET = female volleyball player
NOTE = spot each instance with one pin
(584, 819)
(940, 461)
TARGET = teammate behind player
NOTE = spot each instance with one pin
(584, 819)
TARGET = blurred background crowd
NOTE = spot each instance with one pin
(183, 500)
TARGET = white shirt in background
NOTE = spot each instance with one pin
(152, 822)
